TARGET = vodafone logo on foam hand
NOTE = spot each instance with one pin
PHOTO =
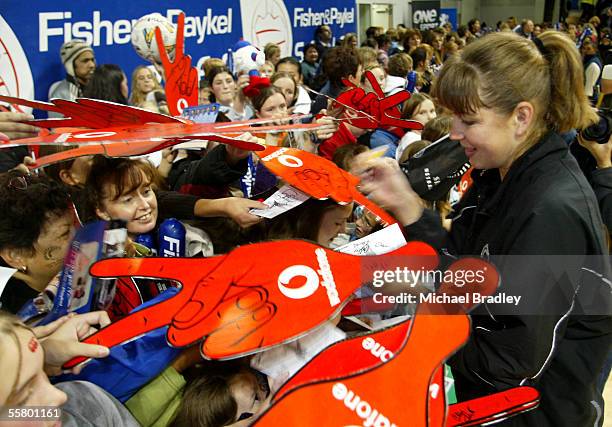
(15, 74)
(267, 21)
(312, 279)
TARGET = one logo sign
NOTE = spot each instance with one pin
(267, 21)
(15, 74)
(426, 15)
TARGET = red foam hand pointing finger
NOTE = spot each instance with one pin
(181, 78)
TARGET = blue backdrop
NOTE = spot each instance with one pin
(33, 32)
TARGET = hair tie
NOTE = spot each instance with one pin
(543, 50)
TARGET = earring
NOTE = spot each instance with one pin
(24, 269)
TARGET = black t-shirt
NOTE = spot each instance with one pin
(15, 295)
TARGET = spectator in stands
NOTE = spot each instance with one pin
(323, 39)
(512, 22)
(36, 227)
(272, 53)
(437, 42)
(226, 92)
(412, 40)
(367, 56)
(384, 44)
(80, 63)
(421, 58)
(374, 32)
(419, 107)
(526, 29)
(147, 93)
(400, 65)
(395, 38)
(537, 30)
(349, 40)
(450, 48)
(473, 27)
(310, 64)
(291, 66)
(31, 354)
(592, 68)
(211, 63)
(108, 83)
(371, 43)
(605, 46)
(340, 63)
(267, 69)
(380, 75)
(287, 85)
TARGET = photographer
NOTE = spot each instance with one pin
(601, 177)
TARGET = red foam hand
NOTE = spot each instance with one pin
(255, 297)
(302, 285)
(181, 78)
(359, 380)
(134, 148)
(492, 408)
(317, 177)
(374, 110)
(392, 393)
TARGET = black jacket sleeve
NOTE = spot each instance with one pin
(171, 204)
(514, 344)
(429, 228)
(601, 181)
(214, 170)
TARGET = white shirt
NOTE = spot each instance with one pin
(590, 78)
(303, 102)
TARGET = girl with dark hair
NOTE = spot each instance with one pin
(412, 40)
(319, 221)
(122, 189)
(287, 85)
(222, 395)
(226, 92)
(108, 83)
(310, 64)
(421, 60)
(36, 227)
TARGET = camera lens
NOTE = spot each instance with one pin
(600, 131)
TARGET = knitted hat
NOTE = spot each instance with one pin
(70, 51)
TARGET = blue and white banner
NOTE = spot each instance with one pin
(449, 15)
(31, 33)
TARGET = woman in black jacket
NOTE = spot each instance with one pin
(532, 212)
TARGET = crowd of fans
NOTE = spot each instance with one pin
(514, 95)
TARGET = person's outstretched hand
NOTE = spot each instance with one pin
(12, 129)
(383, 182)
(235, 208)
(61, 339)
